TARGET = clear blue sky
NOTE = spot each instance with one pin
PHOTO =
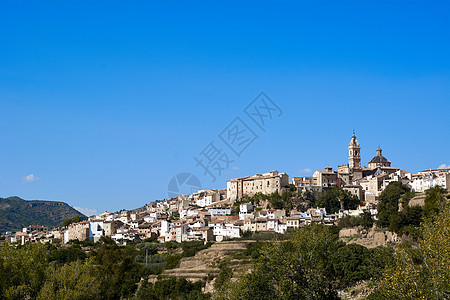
(103, 102)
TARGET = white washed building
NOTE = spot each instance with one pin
(222, 231)
(427, 180)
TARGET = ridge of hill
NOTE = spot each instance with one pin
(16, 213)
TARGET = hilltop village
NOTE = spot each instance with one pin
(268, 202)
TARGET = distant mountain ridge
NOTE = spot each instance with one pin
(16, 213)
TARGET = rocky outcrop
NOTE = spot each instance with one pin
(418, 200)
(370, 239)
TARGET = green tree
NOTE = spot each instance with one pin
(295, 269)
(378, 259)
(192, 247)
(76, 280)
(388, 205)
(119, 270)
(349, 264)
(223, 277)
(275, 200)
(255, 285)
(434, 201)
(353, 263)
(367, 220)
(292, 188)
(337, 198)
(173, 288)
(421, 270)
(145, 291)
(172, 261)
(67, 222)
(65, 255)
(310, 198)
(22, 270)
(411, 217)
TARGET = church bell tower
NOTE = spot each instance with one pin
(354, 153)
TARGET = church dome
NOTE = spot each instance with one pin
(379, 159)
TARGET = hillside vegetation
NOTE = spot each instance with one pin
(16, 213)
(311, 262)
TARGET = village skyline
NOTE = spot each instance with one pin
(104, 114)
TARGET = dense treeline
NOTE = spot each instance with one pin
(336, 199)
(365, 220)
(288, 200)
(408, 219)
(171, 288)
(85, 270)
(313, 264)
(333, 200)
